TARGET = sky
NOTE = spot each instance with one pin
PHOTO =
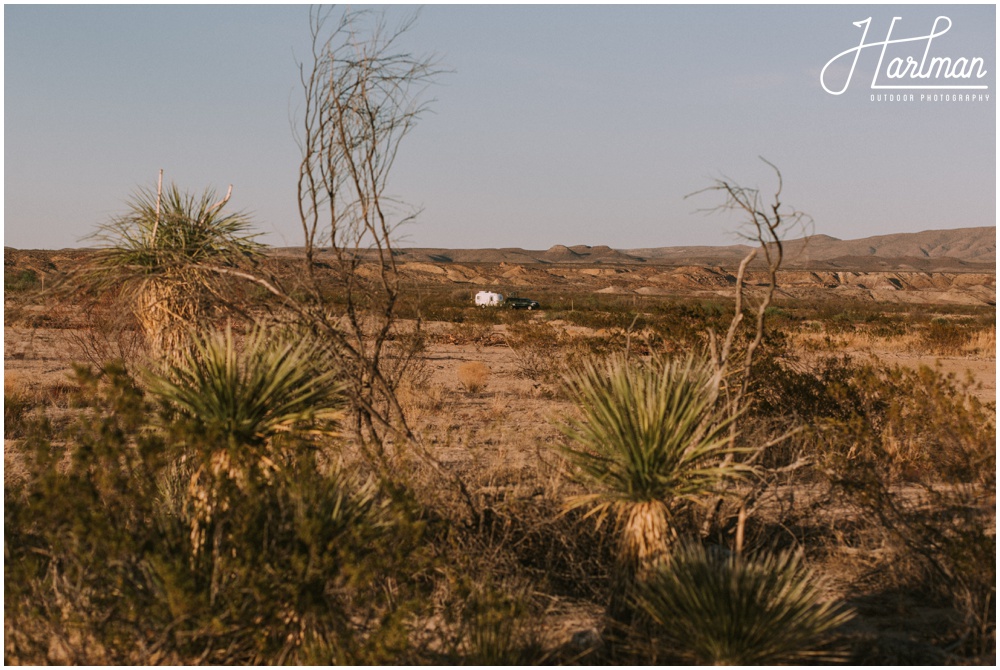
(553, 125)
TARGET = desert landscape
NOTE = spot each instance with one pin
(250, 425)
(876, 363)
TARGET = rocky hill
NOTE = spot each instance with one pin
(956, 250)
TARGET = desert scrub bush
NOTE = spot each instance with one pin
(534, 344)
(903, 424)
(159, 253)
(21, 282)
(916, 455)
(943, 336)
(495, 626)
(110, 332)
(734, 610)
(650, 436)
(473, 375)
(940, 543)
(405, 359)
(558, 549)
(310, 564)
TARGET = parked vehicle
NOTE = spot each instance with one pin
(522, 303)
(488, 299)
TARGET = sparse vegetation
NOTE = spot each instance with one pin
(890, 485)
(25, 280)
(268, 460)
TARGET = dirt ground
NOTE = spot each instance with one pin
(511, 413)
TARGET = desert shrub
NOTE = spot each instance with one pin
(21, 282)
(495, 626)
(468, 332)
(943, 336)
(404, 360)
(906, 423)
(534, 344)
(558, 548)
(308, 563)
(915, 453)
(473, 376)
(110, 332)
(903, 424)
(941, 544)
(732, 610)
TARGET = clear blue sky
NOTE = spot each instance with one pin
(558, 125)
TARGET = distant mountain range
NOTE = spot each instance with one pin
(931, 250)
(954, 250)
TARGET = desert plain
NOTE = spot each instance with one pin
(484, 393)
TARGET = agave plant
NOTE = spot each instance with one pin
(230, 405)
(159, 251)
(650, 435)
(736, 611)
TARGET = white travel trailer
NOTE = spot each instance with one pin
(488, 299)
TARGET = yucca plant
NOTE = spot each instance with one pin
(731, 610)
(239, 402)
(159, 251)
(272, 384)
(650, 435)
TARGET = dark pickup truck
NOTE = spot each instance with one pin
(522, 303)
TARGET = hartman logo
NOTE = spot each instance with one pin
(907, 63)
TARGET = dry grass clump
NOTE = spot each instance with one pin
(982, 343)
(18, 404)
(473, 376)
(938, 337)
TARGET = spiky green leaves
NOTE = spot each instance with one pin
(161, 251)
(649, 432)
(272, 384)
(737, 611)
(174, 230)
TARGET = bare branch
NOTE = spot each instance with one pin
(222, 203)
(766, 226)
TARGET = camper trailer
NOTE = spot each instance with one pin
(488, 299)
